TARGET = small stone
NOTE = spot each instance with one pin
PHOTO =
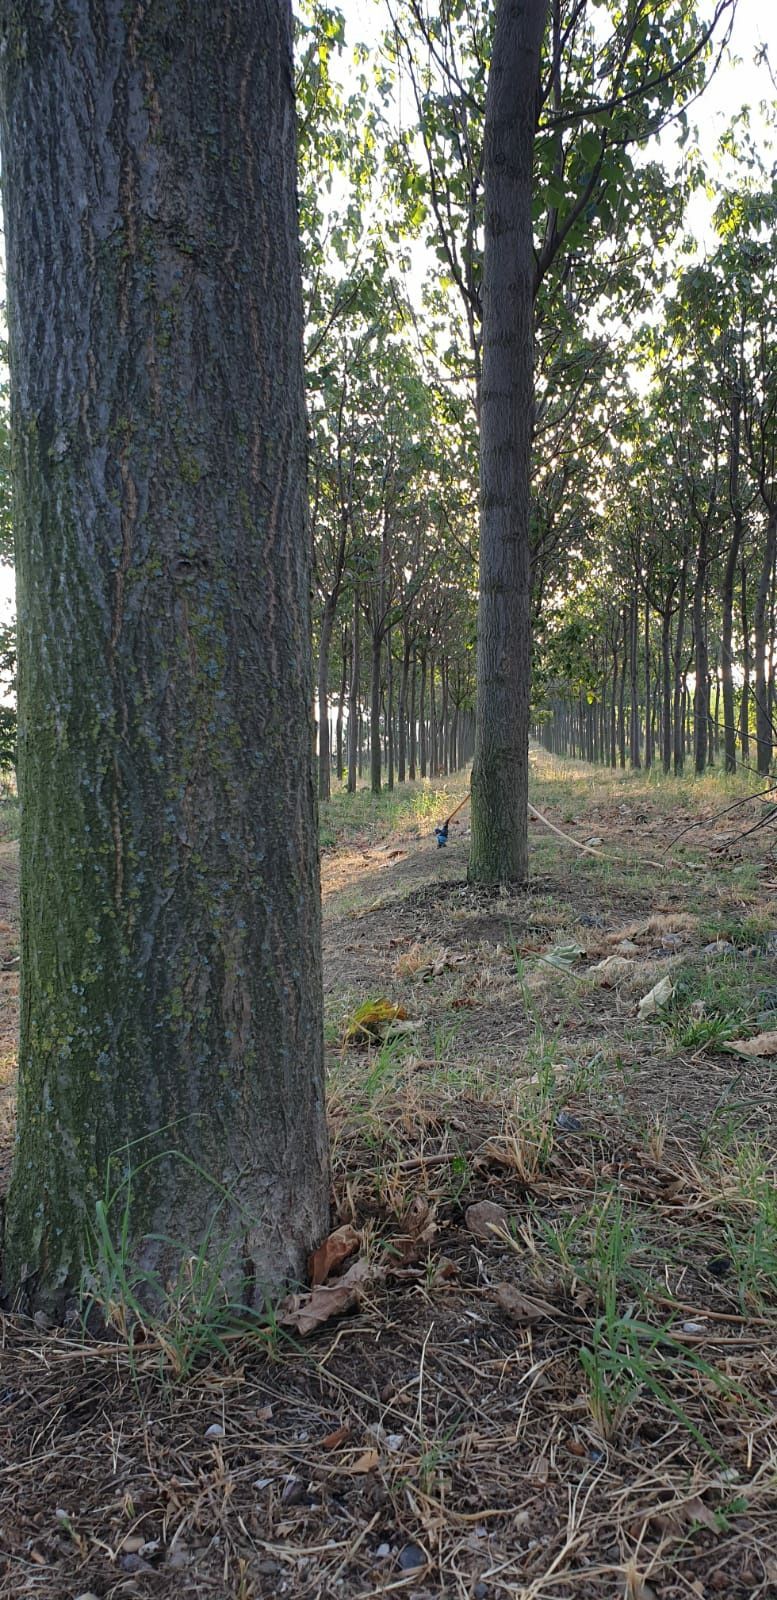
(694, 1327)
(719, 1266)
(486, 1220)
(567, 1123)
(411, 1556)
(382, 1551)
(215, 1431)
(480, 1591)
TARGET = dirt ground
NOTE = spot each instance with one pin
(556, 1375)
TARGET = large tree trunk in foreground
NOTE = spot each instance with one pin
(171, 1034)
(500, 773)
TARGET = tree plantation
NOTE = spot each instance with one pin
(389, 463)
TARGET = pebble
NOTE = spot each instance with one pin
(480, 1591)
(382, 1551)
(215, 1431)
(411, 1556)
(694, 1327)
(567, 1123)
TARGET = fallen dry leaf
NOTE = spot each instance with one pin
(336, 1248)
(658, 996)
(365, 1463)
(764, 1044)
(306, 1312)
(612, 970)
(521, 1307)
(334, 1440)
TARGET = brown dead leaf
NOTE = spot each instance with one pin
(334, 1440)
(365, 1463)
(336, 1248)
(418, 1214)
(696, 1511)
(486, 1219)
(519, 1307)
(764, 1044)
(306, 1312)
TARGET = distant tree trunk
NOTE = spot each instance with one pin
(701, 662)
(678, 704)
(729, 582)
(666, 690)
(354, 720)
(763, 726)
(422, 718)
(389, 713)
(341, 704)
(324, 752)
(403, 685)
(648, 703)
(744, 705)
(171, 1044)
(413, 734)
(500, 839)
(375, 760)
(434, 765)
(634, 680)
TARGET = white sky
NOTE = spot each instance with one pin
(738, 82)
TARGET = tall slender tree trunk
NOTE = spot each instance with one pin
(389, 713)
(171, 1046)
(678, 753)
(500, 839)
(402, 731)
(763, 726)
(375, 755)
(634, 682)
(701, 662)
(324, 752)
(413, 733)
(341, 705)
(744, 705)
(422, 718)
(354, 728)
(666, 690)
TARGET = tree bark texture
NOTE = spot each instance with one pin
(171, 1033)
(500, 774)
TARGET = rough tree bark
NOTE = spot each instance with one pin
(500, 774)
(171, 1033)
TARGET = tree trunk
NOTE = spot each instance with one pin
(666, 690)
(700, 654)
(500, 837)
(677, 707)
(403, 683)
(324, 753)
(171, 1052)
(413, 734)
(763, 726)
(341, 705)
(422, 719)
(375, 756)
(354, 728)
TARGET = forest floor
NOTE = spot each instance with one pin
(549, 1368)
